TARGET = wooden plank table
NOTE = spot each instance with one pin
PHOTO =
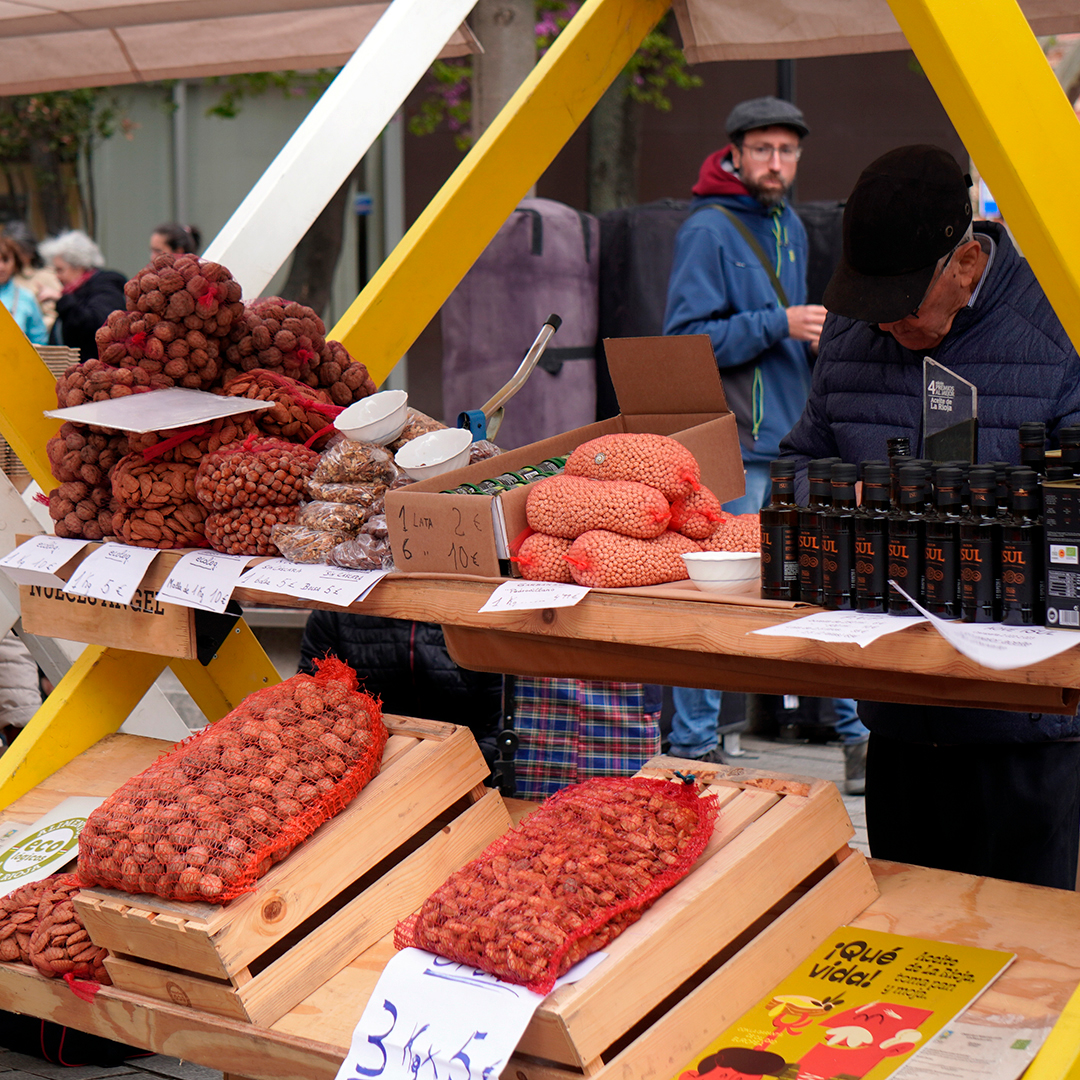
(673, 635)
(309, 1042)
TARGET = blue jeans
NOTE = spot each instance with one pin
(693, 727)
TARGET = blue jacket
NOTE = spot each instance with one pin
(867, 387)
(719, 287)
(25, 311)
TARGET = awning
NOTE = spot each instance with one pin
(788, 29)
(69, 44)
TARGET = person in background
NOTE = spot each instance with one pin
(174, 239)
(35, 275)
(88, 293)
(17, 298)
(407, 666)
(977, 791)
(739, 276)
(20, 688)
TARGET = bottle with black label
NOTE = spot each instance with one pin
(838, 542)
(1069, 441)
(872, 541)
(1023, 541)
(980, 550)
(780, 536)
(906, 541)
(1033, 446)
(927, 465)
(818, 474)
(941, 565)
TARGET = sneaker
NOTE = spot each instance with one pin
(715, 756)
(855, 768)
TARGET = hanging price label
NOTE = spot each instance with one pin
(203, 579)
(112, 572)
(312, 581)
(36, 561)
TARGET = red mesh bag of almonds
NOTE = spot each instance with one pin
(208, 819)
(567, 880)
(299, 413)
(151, 485)
(255, 473)
(60, 947)
(194, 443)
(172, 526)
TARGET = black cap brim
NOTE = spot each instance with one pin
(876, 299)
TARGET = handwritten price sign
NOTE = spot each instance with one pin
(312, 581)
(433, 1019)
(203, 579)
(112, 572)
(36, 561)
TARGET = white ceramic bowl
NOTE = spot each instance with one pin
(435, 453)
(375, 419)
(723, 571)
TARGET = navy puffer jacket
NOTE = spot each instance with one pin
(867, 388)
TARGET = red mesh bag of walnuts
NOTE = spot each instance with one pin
(188, 291)
(81, 511)
(345, 379)
(94, 380)
(78, 453)
(567, 880)
(279, 335)
(208, 819)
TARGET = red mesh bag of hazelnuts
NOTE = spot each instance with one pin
(208, 819)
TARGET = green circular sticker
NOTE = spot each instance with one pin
(40, 847)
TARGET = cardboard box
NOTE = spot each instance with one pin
(1061, 511)
(666, 386)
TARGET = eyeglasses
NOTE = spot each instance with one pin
(764, 152)
(933, 281)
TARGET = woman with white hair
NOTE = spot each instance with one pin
(88, 293)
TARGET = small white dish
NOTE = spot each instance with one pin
(379, 418)
(435, 453)
(723, 571)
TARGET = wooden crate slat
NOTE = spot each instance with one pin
(191, 991)
(720, 898)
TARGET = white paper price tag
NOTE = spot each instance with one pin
(113, 572)
(431, 1017)
(312, 581)
(531, 595)
(999, 647)
(203, 579)
(857, 627)
(36, 561)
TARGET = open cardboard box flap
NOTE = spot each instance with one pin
(666, 385)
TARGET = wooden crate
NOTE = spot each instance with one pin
(776, 878)
(253, 959)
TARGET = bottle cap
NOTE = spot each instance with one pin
(843, 473)
(876, 473)
(783, 469)
(1033, 433)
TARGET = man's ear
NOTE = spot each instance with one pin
(736, 157)
(967, 261)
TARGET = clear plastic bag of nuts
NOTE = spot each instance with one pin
(303, 544)
(348, 462)
(339, 517)
(368, 550)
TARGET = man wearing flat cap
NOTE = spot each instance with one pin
(739, 276)
(973, 790)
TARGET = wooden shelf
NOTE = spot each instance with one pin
(672, 635)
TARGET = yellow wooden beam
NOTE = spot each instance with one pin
(92, 700)
(1059, 1057)
(29, 389)
(436, 253)
(1016, 122)
(239, 668)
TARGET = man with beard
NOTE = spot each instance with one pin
(740, 276)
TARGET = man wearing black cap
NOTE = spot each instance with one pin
(974, 790)
(739, 276)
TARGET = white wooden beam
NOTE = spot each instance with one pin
(336, 134)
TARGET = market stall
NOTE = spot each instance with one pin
(786, 834)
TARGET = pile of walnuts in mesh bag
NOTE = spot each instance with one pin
(185, 325)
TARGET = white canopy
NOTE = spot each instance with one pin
(67, 44)
(775, 29)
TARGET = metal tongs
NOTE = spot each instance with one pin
(484, 423)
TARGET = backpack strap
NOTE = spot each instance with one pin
(755, 247)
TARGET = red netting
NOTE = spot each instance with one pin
(94, 380)
(298, 413)
(78, 453)
(605, 560)
(279, 335)
(188, 291)
(696, 515)
(210, 817)
(565, 882)
(345, 379)
(81, 511)
(734, 532)
(568, 506)
(655, 460)
(542, 558)
(194, 443)
(172, 526)
(60, 947)
(255, 473)
(247, 530)
(152, 485)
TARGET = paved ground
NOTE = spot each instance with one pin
(156, 1067)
